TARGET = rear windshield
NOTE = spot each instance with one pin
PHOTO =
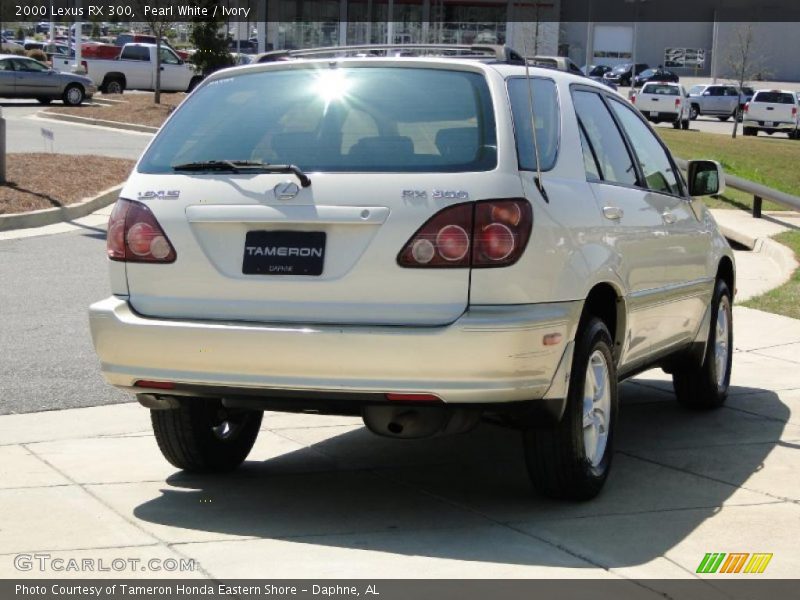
(661, 90)
(775, 97)
(356, 119)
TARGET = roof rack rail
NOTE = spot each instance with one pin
(499, 53)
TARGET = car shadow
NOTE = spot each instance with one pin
(22, 104)
(447, 497)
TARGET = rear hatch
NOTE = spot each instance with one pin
(658, 98)
(384, 148)
(772, 107)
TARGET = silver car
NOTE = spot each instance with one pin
(22, 77)
(416, 241)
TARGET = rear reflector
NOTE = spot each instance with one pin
(413, 398)
(159, 385)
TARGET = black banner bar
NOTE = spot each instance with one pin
(291, 11)
(712, 588)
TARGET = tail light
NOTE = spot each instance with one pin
(677, 102)
(633, 99)
(85, 66)
(794, 111)
(134, 235)
(490, 233)
(746, 107)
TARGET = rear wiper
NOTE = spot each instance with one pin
(243, 166)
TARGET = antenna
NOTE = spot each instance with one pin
(538, 179)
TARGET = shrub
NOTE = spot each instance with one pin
(37, 55)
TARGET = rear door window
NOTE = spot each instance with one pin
(546, 119)
(359, 119)
(606, 147)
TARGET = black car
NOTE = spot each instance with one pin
(655, 75)
(623, 74)
(595, 70)
(605, 82)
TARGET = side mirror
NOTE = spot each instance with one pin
(706, 93)
(706, 178)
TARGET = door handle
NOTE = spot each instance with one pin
(668, 217)
(613, 212)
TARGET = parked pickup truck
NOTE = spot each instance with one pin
(721, 101)
(664, 102)
(770, 111)
(135, 69)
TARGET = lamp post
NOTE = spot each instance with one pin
(636, 4)
(2, 148)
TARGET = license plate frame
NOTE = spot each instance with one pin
(653, 113)
(769, 123)
(284, 252)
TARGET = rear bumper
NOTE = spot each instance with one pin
(660, 115)
(775, 126)
(490, 354)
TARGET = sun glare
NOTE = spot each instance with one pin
(331, 85)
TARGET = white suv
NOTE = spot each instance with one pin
(419, 240)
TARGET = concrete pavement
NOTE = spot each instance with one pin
(23, 134)
(321, 497)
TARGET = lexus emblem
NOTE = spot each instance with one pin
(286, 190)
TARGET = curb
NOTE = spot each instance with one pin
(780, 254)
(107, 101)
(48, 216)
(739, 237)
(101, 122)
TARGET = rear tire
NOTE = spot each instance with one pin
(704, 386)
(113, 86)
(685, 125)
(571, 459)
(676, 124)
(694, 112)
(748, 131)
(202, 436)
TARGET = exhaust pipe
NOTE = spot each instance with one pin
(403, 422)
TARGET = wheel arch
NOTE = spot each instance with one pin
(606, 302)
(727, 273)
(113, 76)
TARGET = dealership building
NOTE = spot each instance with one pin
(701, 48)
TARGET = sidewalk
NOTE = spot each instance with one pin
(322, 498)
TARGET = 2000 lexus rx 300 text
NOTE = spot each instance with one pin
(421, 241)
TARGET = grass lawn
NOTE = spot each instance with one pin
(774, 162)
(132, 108)
(35, 181)
(784, 300)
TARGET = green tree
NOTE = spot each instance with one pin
(159, 27)
(212, 51)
